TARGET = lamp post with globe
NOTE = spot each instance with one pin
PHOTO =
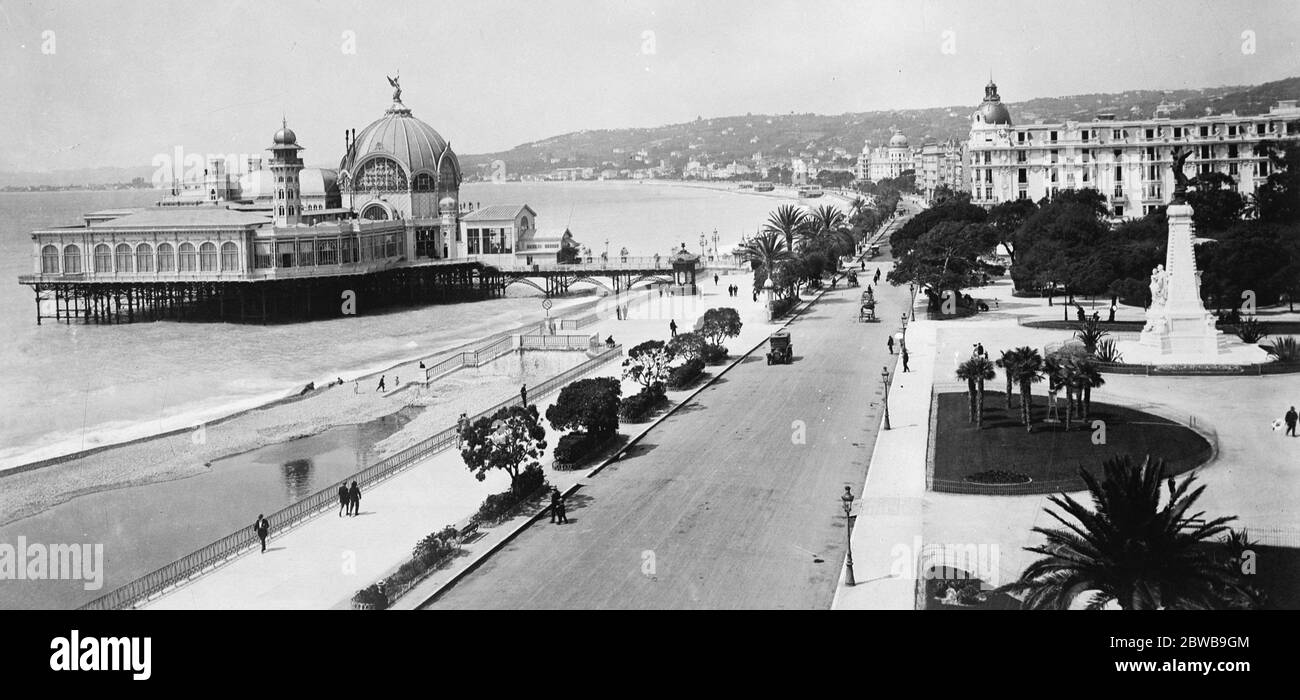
(846, 500)
(884, 378)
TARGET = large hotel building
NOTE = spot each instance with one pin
(1126, 160)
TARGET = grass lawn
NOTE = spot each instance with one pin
(1049, 456)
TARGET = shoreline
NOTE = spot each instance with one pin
(146, 430)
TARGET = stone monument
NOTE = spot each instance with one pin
(1177, 322)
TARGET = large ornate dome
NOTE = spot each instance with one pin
(992, 111)
(412, 144)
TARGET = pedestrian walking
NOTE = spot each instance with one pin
(890, 343)
(755, 295)
(661, 290)
(262, 527)
(555, 505)
(523, 394)
(672, 327)
(381, 383)
(462, 427)
(1291, 418)
(344, 498)
(354, 499)
(1112, 313)
(618, 313)
(905, 357)
(563, 517)
(715, 280)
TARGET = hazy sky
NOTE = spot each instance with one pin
(118, 82)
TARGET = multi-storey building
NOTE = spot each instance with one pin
(1126, 160)
(940, 163)
(888, 161)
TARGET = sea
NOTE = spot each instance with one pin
(67, 388)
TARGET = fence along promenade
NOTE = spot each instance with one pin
(213, 555)
(476, 358)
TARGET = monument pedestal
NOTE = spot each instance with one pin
(1177, 322)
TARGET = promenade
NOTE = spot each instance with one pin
(322, 563)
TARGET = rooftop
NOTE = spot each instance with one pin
(498, 212)
(182, 217)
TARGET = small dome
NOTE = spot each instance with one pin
(285, 137)
(898, 140)
(447, 202)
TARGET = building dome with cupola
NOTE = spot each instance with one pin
(399, 167)
(992, 111)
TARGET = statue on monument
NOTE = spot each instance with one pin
(397, 89)
(1180, 156)
(1159, 286)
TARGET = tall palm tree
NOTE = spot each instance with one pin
(1008, 362)
(766, 250)
(1028, 369)
(975, 371)
(1130, 550)
(827, 217)
(788, 220)
(857, 206)
(1087, 377)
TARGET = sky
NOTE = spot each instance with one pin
(109, 83)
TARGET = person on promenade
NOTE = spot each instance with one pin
(344, 498)
(890, 343)
(1291, 418)
(381, 383)
(618, 312)
(715, 279)
(905, 357)
(672, 327)
(563, 517)
(523, 394)
(422, 364)
(263, 528)
(555, 505)
(356, 387)
(1112, 313)
(354, 499)
(755, 295)
(462, 426)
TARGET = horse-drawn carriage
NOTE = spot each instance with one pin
(779, 348)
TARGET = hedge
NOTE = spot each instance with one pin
(681, 376)
(499, 505)
(715, 354)
(637, 407)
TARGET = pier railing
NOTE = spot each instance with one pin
(558, 342)
(213, 555)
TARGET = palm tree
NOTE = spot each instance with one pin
(857, 206)
(788, 220)
(1088, 377)
(1129, 550)
(1028, 369)
(766, 250)
(975, 371)
(1008, 364)
(827, 218)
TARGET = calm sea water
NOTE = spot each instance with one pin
(74, 387)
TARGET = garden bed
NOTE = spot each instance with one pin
(1049, 457)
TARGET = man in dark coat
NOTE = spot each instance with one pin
(555, 505)
(905, 357)
(1291, 418)
(523, 394)
(344, 498)
(263, 528)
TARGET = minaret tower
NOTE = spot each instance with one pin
(285, 166)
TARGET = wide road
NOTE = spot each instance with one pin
(732, 502)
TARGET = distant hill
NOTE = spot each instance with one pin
(822, 140)
(836, 140)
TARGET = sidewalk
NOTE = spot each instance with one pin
(321, 563)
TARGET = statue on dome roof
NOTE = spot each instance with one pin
(397, 89)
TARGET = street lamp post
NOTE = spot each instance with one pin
(904, 320)
(884, 377)
(703, 245)
(911, 292)
(716, 254)
(847, 500)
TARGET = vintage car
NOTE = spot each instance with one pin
(780, 350)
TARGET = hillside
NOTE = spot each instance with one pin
(829, 141)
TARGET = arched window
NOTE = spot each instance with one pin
(124, 258)
(383, 175)
(375, 212)
(71, 260)
(103, 258)
(166, 258)
(424, 182)
(144, 258)
(208, 257)
(188, 258)
(49, 260)
(229, 257)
